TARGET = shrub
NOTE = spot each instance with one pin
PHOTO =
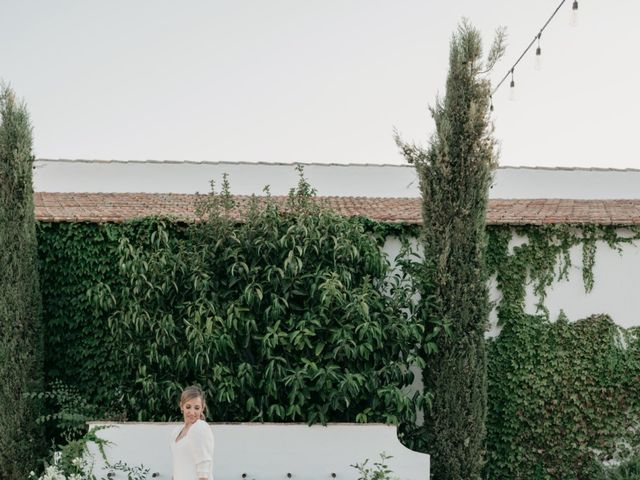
(20, 303)
(65, 412)
(455, 175)
(627, 470)
(379, 471)
(292, 315)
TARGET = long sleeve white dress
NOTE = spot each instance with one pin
(193, 453)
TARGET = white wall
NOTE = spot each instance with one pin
(245, 178)
(329, 179)
(266, 451)
(575, 183)
(615, 291)
(616, 276)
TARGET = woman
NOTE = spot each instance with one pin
(192, 442)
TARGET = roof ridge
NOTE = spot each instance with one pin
(223, 162)
(357, 197)
(316, 164)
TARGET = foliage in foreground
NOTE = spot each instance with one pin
(289, 316)
(455, 175)
(20, 303)
(627, 470)
(73, 461)
(379, 471)
(65, 412)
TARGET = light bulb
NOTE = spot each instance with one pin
(574, 14)
(512, 90)
(538, 62)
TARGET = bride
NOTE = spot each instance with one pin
(192, 442)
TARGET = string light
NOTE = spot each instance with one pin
(512, 88)
(574, 13)
(536, 39)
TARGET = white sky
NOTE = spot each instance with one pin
(312, 81)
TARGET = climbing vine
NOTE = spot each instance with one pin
(544, 257)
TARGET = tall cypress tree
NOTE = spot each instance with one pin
(455, 174)
(20, 301)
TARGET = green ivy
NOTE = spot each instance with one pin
(544, 258)
(79, 348)
(563, 397)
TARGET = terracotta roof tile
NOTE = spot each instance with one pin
(118, 207)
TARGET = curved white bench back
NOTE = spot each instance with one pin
(266, 451)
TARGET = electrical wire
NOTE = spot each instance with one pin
(535, 39)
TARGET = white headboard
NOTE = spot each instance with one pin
(266, 451)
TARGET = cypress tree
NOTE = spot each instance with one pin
(20, 301)
(455, 174)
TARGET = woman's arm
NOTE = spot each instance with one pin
(203, 469)
(202, 449)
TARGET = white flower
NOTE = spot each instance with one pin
(77, 462)
(56, 457)
(75, 476)
(52, 473)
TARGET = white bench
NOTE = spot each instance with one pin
(265, 451)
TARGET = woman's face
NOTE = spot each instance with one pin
(192, 409)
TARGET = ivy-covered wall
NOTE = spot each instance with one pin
(563, 395)
(562, 263)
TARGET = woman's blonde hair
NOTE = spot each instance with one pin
(192, 392)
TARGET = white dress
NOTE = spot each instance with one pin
(193, 453)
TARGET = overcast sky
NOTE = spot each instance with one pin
(312, 81)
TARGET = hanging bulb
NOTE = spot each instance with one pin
(512, 88)
(538, 62)
(574, 14)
